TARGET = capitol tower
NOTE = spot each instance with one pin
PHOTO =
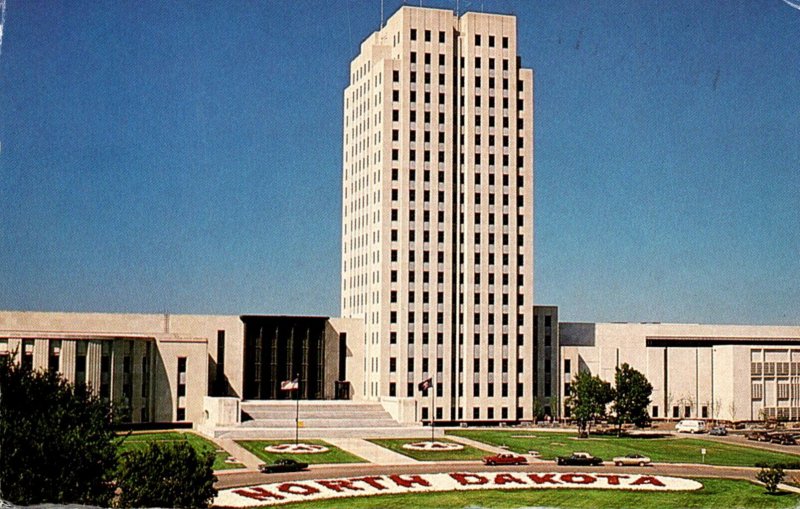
(437, 216)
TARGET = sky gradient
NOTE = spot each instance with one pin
(185, 157)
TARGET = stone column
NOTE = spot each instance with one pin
(41, 352)
(15, 349)
(69, 348)
(94, 353)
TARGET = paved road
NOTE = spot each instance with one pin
(240, 478)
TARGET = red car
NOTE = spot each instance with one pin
(505, 459)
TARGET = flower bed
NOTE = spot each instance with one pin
(320, 489)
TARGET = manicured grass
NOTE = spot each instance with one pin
(396, 445)
(139, 441)
(333, 455)
(715, 494)
(667, 449)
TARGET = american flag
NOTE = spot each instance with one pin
(425, 384)
(290, 385)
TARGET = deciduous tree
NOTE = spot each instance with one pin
(588, 399)
(56, 440)
(632, 394)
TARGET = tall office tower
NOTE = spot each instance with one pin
(437, 216)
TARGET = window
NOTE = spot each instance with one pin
(181, 409)
(477, 40)
(413, 34)
(427, 36)
(655, 411)
(441, 38)
(491, 41)
(505, 42)
(687, 411)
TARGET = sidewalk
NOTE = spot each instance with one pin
(242, 455)
(370, 452)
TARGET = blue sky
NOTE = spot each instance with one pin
(186, 156)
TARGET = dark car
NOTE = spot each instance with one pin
(758, 436)
(284, 465)
(782, 438)
(505, 459)
(718, 431)
(579, 458)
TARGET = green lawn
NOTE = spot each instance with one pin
(396, 445)
(141, 440)
(715, 494)
(666, 449)
(333, 455)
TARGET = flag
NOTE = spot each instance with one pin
(290, 385)
(425, 384)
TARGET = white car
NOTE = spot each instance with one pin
(632, 459)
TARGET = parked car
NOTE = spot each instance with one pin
(579, 458)
(632, 459)
(505, 459)
(718, 431)
(782, 438)
(283, 465)
(691, 426)
(757, 435)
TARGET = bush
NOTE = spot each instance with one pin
(171, 475)
(794, 465)
(771, 477)
(56, 440)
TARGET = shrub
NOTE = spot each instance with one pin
(56, 439)
(171, 475)
(771, 477)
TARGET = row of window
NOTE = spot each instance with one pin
(427, 34)
(411, 390)
(440, 365)
(440, 339)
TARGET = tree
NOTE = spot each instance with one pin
(631, 397)
(771, 477)
(166, 476)
(588, 398)
(56, 440)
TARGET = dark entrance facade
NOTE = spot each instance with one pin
(280, 348)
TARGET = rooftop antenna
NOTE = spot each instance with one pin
(2, 22)
(381, 13)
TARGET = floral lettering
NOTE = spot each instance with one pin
(371, 480)
(646, 479)
(578, 478)
(507, 478)
(407, 483)
(467, 479)
(613, 479)
(258, 493)
(298, 489)
(543, 479)
(340, 485)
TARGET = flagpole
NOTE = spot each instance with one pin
(433, 406)
(297, 413)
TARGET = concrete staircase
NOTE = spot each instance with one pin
(266, 419)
